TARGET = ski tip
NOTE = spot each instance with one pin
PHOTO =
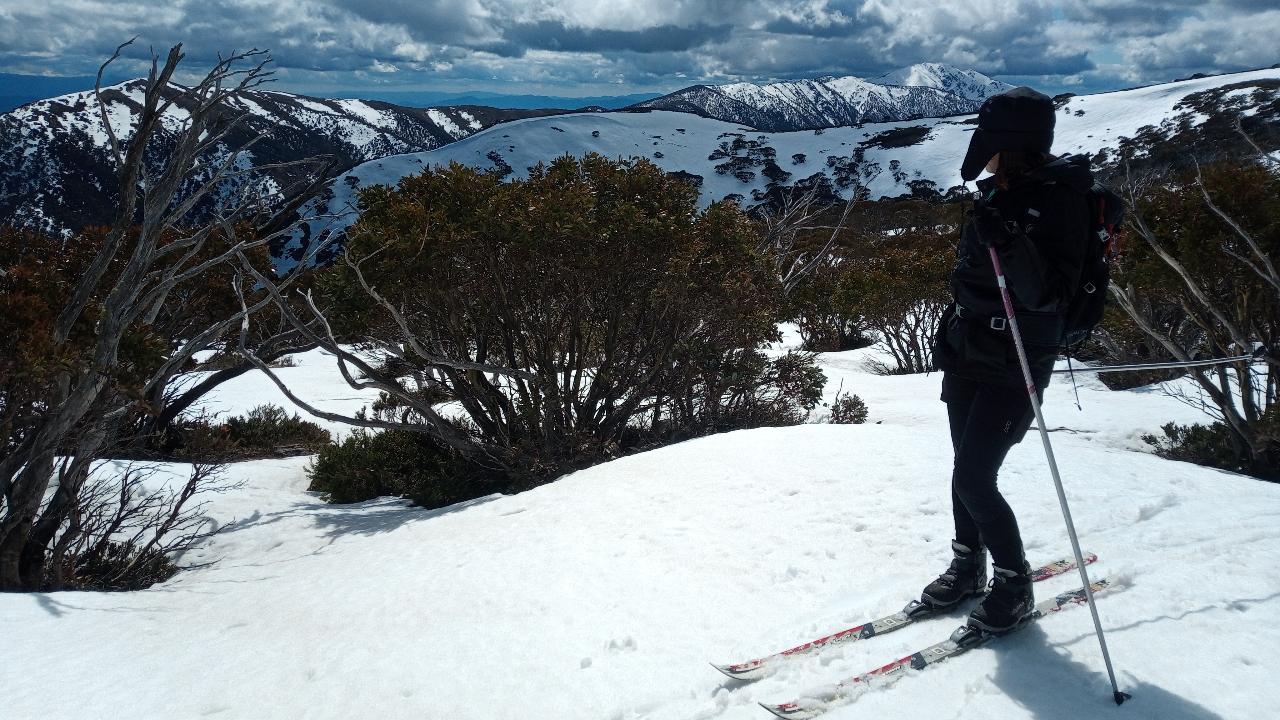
(788, 711)
(745, 674)
(772, 709)
(724, 669)
(1120, 697)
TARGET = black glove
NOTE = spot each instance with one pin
(991, 227)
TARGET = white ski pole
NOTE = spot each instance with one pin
(1119, 697)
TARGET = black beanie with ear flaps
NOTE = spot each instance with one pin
(1017, 119)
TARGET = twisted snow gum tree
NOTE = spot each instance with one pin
(97, 325)
(1199, 279)
(885, 281)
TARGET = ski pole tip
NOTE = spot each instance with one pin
(1121, 697)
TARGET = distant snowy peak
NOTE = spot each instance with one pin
(926, 90)
(969, 84)
(56, 172)
(364, 129)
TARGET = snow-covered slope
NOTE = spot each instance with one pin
(964, 83)
(920, 157)
(925, 90)
(603, 596)
(56, 172)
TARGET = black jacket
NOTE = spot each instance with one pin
(1042, 256)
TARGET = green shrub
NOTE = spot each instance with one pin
(265, 431)
(848, 409)
(1216, 446)
(268, 428)
(754, 391)
(614, 313)
(887, 284)
(399, 463)
(119, 567)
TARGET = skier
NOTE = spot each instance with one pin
(1033, 211)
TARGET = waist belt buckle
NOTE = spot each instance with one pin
(999, 323)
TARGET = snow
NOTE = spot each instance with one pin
(472, 123)
(605, 594)
(682, 141)
(856, 87)
(256, 109)
(311, 379)
(524, 143)
(966, 83)
(363, 111)
(311, 104)
(446, 123)
(1109, 116)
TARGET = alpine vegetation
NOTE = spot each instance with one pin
(808, 388)
(98, 326)
(525, 329)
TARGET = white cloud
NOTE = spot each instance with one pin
(658, 45)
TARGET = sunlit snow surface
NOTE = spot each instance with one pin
(605, 594)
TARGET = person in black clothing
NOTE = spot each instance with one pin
(1033, 211)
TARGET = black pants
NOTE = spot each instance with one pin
(986, 421)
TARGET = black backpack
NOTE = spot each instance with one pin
(1106, 213)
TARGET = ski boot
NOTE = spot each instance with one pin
(966, 577)
(1008, 604)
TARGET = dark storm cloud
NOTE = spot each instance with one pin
(445, 21)
(556, 36)
(640, 44)
(1029, 57)
(1135, 18)
(792, 26)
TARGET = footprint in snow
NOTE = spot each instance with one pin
(626, 644)
(1146, 512)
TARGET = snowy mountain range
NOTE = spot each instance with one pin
(56, 172)
(918, 158)
(918, 91)
(56, 175)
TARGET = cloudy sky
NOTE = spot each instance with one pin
(597, 47)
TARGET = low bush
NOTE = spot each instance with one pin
(265, 431)
(121, 566)
(269, 428)
(764, 393)
(1215, 445)
(399, 463)
(130, 532)
(848, 409)
(585, 311)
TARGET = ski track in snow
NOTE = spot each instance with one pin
(604, 595)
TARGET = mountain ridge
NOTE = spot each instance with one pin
(57, 175)
(907, 158)
(918, 91)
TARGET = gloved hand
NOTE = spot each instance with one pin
(992, 228)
